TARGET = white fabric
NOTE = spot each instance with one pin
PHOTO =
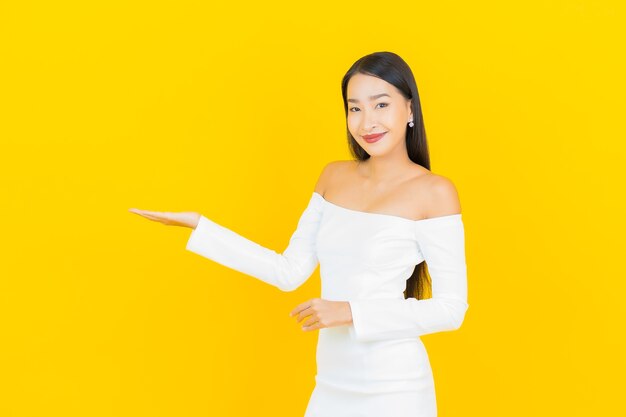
(376, 366)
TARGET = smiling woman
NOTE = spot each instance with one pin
(373, 225)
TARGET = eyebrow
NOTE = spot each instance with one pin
(375, 96)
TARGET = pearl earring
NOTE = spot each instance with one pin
(411, 124)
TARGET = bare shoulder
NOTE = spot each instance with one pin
(329, 171)
(441, 195)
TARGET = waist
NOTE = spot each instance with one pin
(341, 358)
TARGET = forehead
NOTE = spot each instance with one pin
(361, 86)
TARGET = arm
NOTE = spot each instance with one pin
(441, 241)
(286, 271)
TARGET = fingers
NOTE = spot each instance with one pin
(307, 311)
(185, 219)
(310, 321)
(156, 219)
(146, 212)
(152, 215)
(301, 307)
(301, 314)
(315, 326)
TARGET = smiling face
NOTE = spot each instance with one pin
(375, 106)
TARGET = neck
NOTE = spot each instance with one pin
(386, 168)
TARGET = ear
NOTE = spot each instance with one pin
(409, 109)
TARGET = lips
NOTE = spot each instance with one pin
(373, 138)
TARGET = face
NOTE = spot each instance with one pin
(375, 106)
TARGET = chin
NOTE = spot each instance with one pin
(373, 151)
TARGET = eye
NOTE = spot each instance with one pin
(384, 105)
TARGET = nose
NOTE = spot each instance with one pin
(369, 120)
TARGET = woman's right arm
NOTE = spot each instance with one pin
(286, 271)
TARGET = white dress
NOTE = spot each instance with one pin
(376, 366)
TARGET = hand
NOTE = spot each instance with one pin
(323, 313)
(184, 219)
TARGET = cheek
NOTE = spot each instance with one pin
(353, 126)
(394, 119)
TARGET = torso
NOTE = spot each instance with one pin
(407, 196)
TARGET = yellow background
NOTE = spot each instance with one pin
(232, 109)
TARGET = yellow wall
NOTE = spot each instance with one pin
(232, 110)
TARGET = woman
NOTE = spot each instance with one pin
(383, 229)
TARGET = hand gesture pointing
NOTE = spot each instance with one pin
(184, 218)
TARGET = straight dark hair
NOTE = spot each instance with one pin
(390, 67)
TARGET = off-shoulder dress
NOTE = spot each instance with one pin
(377, 366)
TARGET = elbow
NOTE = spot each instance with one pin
(456, 311)
(457, 322)
(287, 286)
(291, 274)
(290, 279)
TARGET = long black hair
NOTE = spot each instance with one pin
(393, 69)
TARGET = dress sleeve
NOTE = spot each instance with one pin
(442, 243)
(286, 271)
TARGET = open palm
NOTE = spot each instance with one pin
(183, 218)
